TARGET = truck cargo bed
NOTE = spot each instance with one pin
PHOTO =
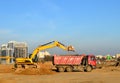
(68, 60)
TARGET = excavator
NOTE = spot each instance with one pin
(31, 62)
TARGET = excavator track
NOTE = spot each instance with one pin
(25, 66)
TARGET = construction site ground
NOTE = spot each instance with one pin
(107, 74)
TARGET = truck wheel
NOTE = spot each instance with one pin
(60, 69)
(88, 68)
(117, 64)
(69, 69)
(15, 65)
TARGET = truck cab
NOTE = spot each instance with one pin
(92, 60)
(89, 62)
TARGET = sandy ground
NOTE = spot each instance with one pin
(104, 75)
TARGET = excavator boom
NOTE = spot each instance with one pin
(51, 45)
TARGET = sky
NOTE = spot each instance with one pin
(91, 26)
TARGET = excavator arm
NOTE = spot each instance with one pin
(51, 45)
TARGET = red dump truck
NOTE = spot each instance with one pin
(69, 63)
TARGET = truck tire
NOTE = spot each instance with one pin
(15, 66)
(117, 64)
(61, 69)
(88, 68)
(69, 69)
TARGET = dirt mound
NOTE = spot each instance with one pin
(7, 81)
(110, 69)
(6, 68)
(105, 64)
(45, 69)
(33, 71)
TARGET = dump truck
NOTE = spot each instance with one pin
(70, 63)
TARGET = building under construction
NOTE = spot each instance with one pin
(20, 50)
(13, 49)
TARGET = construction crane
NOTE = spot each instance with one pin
(30, 62)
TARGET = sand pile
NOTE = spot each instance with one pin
(6, 68)
(44, 69)
(106, 64)
(110, 68)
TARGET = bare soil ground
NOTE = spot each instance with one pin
(108, 74)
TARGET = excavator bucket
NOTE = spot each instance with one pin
(71, 48)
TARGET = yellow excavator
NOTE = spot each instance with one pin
(30, 62)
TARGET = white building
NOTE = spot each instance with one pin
(14, 49)
(99, 56)
(117, 55)
(43, 54)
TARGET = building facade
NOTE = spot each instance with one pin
(20, 50)
(14, 49)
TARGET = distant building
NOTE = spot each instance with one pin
(14, 49)
(4, 50)
(20, 49)
(99, 56)
(11, 44)
(43, 54)
(117, 55)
